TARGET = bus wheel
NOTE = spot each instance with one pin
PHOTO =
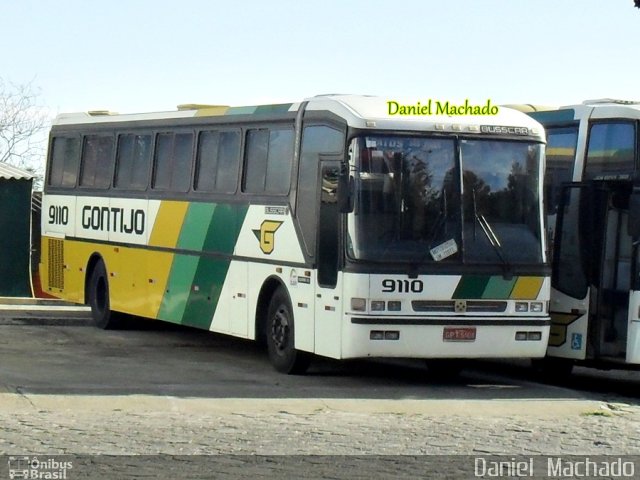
(101, 312)
(280, 337)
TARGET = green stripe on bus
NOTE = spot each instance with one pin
(195, 226)
(224, 228)
(277, 108)
(471, 286)
(499, 288)
(195, 281)
(174, 301)
(205, 293)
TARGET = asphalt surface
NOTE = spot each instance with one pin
(176, 398)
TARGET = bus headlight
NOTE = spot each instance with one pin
(537, 307)
(522, 307)
(358, 304)
(377, 305)
(394, 306)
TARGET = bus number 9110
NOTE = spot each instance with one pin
(402, 286)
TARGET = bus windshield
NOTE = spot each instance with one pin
(443, 199)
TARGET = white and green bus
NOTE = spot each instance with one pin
(594, 221)
(326, 227)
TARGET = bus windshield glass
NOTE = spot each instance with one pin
(439, 199)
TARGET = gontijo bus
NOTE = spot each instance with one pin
(322, 227)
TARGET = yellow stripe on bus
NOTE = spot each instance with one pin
(166, 229)
(527, 288)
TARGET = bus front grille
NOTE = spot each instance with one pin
(459, 306)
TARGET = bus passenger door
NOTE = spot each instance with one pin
(633, 333)
(612, 280)
(570, 290)
(328, 310)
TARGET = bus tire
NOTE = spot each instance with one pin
(281, 336)
(98, 296)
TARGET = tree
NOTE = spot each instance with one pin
(22, 127)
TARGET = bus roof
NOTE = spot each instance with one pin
(597, 109)
(359, 111)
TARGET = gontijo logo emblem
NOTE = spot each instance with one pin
(267, 235)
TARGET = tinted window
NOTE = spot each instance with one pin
(560, 157)
(268, 158)
(255, 168)
(217, 163)
(172, 169)
(97, 161)
(611, 150)
(279, 161)
(228, 162)
(64, 162)
(132, 163)
(316, 140)
(207, 161)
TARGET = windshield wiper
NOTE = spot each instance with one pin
(493, 239)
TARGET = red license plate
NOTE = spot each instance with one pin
(465, 334)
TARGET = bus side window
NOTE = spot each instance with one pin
(217, 161)
(132, 162)
(268, 159)
(172, 162)
(65, 158)
(97, 161)
(611, 150)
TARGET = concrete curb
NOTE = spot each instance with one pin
(40, 311)
(12, 402)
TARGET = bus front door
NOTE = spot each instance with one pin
(328, 311)
(595, 299)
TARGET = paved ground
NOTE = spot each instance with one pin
(52, 405)
(150, 425)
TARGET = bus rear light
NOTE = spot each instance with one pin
(358, 304)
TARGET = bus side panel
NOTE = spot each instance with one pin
(300, 294)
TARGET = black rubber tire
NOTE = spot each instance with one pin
(98, 296)
(281, 337)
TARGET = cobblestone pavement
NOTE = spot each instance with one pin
(345, 438)
(146, 425)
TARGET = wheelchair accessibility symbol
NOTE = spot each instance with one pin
(576, 341)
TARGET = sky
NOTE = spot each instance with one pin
(151, 55)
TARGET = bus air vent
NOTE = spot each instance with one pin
(56, 263)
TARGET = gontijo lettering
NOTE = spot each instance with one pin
(113, 219)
